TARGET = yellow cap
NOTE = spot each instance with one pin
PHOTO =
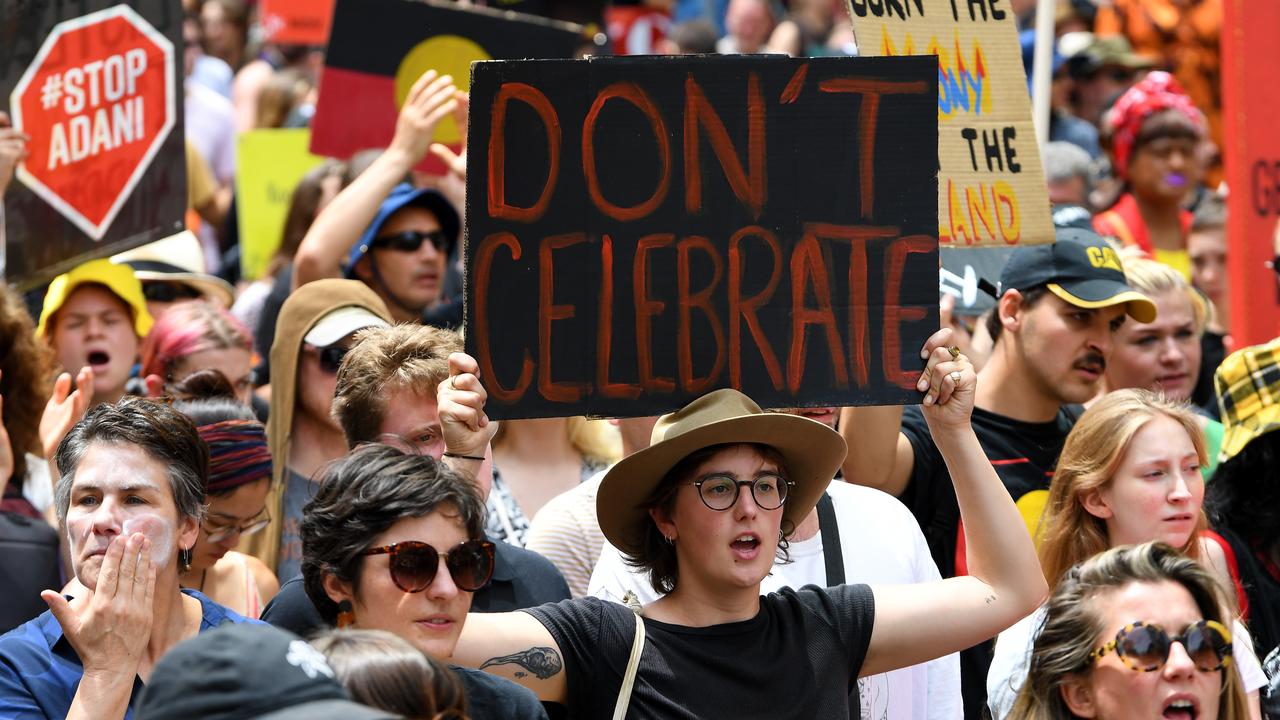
(119, 279)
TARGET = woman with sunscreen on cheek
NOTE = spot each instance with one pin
(129, 498)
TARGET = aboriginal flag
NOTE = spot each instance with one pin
(379, 48)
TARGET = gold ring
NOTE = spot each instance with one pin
(956, 376)
(955, 352)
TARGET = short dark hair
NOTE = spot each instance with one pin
(360, 497)
(657, 556)
(164, 434)
(1030, 297)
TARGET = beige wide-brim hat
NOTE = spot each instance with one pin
(813, 453)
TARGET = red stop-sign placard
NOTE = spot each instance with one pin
(98, 101)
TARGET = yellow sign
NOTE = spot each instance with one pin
(991, 189)
(269, 164)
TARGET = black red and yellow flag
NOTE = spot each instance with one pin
(378, 48)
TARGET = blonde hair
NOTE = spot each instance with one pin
(1072, 626)
(1155, 278)
(1069, 533)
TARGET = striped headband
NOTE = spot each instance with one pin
(238, 454)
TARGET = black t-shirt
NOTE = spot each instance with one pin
(1024, 455)
(521, 578)
(798, 658)
(490, 697)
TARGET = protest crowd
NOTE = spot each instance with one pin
(242, 488)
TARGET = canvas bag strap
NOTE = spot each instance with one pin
(633, 665)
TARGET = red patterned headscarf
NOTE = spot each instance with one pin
(1156, 92)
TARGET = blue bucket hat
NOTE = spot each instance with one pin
(402, 196)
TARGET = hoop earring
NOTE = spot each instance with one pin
(670, 541)
(346, 614)
(184, 558)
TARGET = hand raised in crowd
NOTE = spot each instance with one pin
(430, 100)
(110, 632)
(454, 183)
(13, 150)
(948, 382)
(65, 408)
(460, 400)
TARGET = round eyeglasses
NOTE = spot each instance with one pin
(219, 532)
(720, 492)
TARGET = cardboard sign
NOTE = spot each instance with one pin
(99, 94)
(641, 231)
(1252, 156)
(269, 164)
(379, 48)
(991, 188)
(297, 22)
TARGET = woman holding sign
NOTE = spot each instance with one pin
(705, 509)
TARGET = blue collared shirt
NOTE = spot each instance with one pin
(40, 671)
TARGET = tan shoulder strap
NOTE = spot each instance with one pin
(633, 665)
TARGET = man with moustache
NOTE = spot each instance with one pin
(1053, 325)
(386, 233)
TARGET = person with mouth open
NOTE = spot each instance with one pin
(706, 508)
(1129, 473)
(1135, 633)
(95, 317)
(1053, 329)
(1154, 133)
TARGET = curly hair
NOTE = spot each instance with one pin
(657, 555)
(384, 671)
(386, 360)
(360, 497)
(25, 372)
(1073, 623)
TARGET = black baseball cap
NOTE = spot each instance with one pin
(1080, 268)
(247, 670)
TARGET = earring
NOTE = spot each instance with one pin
(184, 558)
(670, 541)
(346, 614)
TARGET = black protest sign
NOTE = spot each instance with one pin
(97, 86)
(643, 230)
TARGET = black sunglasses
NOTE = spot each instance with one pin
(167, 292)
(330, 357)
(411, 240)
(414, 564)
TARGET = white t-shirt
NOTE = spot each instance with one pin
(1012, 660)
(881, 544)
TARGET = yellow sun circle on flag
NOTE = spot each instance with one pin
(447, 55)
